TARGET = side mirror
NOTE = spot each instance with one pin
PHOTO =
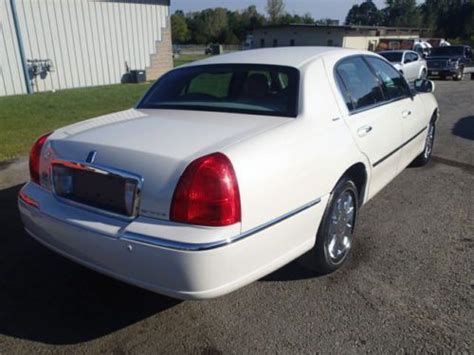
(423, 85)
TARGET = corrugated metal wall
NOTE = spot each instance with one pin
(88, 41)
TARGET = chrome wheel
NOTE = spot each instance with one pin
(429, 141)
(341, 226)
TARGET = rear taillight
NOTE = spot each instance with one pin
(35, 156)
(207, 193)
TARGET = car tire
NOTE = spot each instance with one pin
(425, 156)
(335, 235)
(459, 75)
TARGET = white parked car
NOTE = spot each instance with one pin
(409, 63)
(229, 168)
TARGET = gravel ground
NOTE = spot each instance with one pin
(408, 287)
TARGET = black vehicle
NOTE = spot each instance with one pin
(454, 61)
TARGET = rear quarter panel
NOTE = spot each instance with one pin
(287, 167)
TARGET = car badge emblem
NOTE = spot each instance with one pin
(91, 157)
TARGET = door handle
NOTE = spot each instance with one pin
(364, 130)
(406, 114)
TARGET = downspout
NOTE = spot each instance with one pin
(29, 88)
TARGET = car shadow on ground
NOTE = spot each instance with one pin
(464, 128)
(45, 297)
(294, 271)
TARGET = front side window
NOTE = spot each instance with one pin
(394, 85)
(410, 57)
(239, 88)
(361, 84)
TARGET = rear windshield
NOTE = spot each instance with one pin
(394, 57)
(448, 51)
(240, 88)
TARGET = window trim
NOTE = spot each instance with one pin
(365, 108)
(345, 93)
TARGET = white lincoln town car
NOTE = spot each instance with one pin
(229, 168)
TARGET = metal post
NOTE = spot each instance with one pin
(29, 88)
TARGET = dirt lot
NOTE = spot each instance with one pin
(408, 287)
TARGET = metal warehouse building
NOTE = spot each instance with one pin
(59, 44)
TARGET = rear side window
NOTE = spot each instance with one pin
(394, 85)
(360, 84)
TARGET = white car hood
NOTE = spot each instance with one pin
(156, 144)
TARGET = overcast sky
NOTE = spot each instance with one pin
(336, 9)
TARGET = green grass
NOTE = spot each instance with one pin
(25, 117)
(188, 58)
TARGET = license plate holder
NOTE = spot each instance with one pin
(96, 188)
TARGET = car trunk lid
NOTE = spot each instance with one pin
(156, 145)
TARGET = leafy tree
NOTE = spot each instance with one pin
(208, 25)
(449, 18)
(275, 10)
(326, 22)
(402, 13)
(243, 22)
(287, 19)
(456, 19)
(365, 14)
(179, 27)
(308, 19)
(430, 11)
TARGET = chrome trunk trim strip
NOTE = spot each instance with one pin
(158, 242)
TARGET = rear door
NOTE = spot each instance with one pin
(375, 125)
(406, 109)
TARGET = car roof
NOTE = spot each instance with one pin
(284, 56)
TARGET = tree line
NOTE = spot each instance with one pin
(445, 18)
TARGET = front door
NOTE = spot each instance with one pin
(405, 108)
